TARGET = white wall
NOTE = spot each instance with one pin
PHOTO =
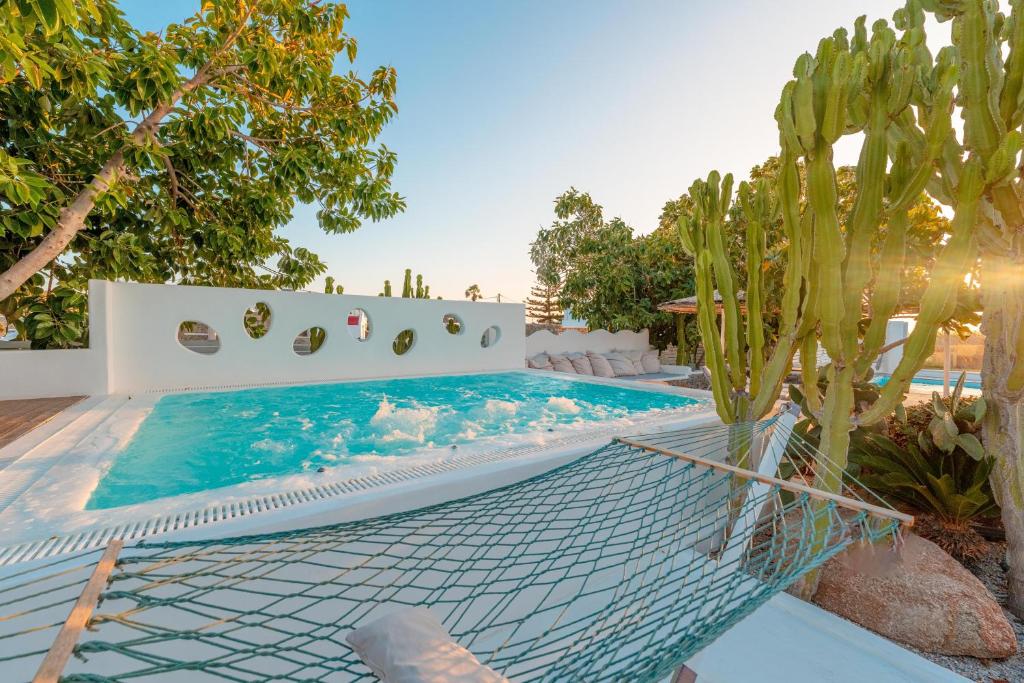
(598, 341)
(134, 347)
(894, 331)
(71, 372)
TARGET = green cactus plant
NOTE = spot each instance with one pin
(988, 48)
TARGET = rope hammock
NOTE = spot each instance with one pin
(620, 565)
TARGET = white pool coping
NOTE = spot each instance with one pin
(48, 484)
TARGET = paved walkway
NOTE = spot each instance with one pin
(20, 416)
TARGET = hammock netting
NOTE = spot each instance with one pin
(618, 566)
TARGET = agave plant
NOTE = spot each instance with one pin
(946, 474)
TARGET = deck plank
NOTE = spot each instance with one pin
(20, 416)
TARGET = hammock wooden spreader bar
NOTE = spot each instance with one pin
(793, 487)
(64, 644)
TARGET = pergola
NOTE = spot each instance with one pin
(688, 305)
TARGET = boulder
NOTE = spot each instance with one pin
(924, 598)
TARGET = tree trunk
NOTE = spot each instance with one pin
(1002, 379)
(72, 217)
(682, 355)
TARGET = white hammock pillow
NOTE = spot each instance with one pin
(411, 646)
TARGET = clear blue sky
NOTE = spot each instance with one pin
(504, 105)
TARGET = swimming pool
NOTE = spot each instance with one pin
(193, 442)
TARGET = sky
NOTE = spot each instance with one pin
(505, 105)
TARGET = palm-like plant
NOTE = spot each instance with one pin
(944, 474)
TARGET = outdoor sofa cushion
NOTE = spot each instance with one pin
(651, 362)
(561, 363)
(540, 362)
(600, 365)
(581, 363)
(635, 357)
(411, 646)
(621, 366)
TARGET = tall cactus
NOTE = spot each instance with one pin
(701, 232)
(988, 49)
(880, 86)
(407, 284)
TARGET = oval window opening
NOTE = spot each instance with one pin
(198, 337)
(358, 324)
(403, 342)
(452, 323)
(309, 341)
(257, 320)
(490, 337)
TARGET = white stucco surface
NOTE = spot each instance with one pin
(133, 344)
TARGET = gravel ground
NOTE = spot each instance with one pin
(990, 571)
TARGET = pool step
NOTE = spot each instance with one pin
(48, 447)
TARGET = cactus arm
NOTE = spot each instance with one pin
(757, 214)
(835, 427)
(980, 76)
(794, 284)
(1013, 70)
(939, 299)
(865, 217)
(719, 201)
(885, 297)
(713, 354)
(828, 248)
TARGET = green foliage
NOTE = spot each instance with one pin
(473, 293)
(257, 320)
(608, 276)
(946, 473)
(928, 457)
(209, 133)
(58, 320)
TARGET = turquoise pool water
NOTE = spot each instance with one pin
(200, 441)
(881, 380)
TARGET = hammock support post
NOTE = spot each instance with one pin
(751, 510)
(64, 644)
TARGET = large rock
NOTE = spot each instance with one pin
(924, 598)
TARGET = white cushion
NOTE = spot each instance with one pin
(621, 366)
(562, 363)
(540, 362)
(411, 646)
(600, 365)
(635, 357)
(651, 362)
(581, 363)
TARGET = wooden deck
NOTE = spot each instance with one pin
(21, 416)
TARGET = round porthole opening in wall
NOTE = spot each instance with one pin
(452, 323)
(257, 320)
(309, 341)
(198, 337)
(404, 341)
(490, 337)
(358, 324)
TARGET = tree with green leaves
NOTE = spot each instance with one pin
(473, 293)
(543, 305)
(607, 275)
(175, 156)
